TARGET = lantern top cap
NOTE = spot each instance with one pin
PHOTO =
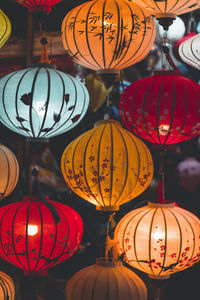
(104, 263)
(33, 198)
(107, 121)
(42, 65)
(161, 205)
(165, 72)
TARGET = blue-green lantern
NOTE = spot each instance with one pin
(42, 102)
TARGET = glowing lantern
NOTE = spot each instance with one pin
(106, 280)
(108, 35)
(41, 102)
(9, 171)
(38, 5)
(163, 108)
(159, 239)
(189, 51)
(5, 28)
(107, 165)
(32, 240)
(7, 288)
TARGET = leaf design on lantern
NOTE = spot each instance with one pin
(20, 119)
(66, 98)
(23, 128)
(26, 98)
(71, 107)
(56, 117)
(46, 129)
(75, 119)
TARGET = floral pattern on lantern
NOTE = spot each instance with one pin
(108, 35)
(159, 239)
(5, 28)
(107, 165)
(42, 102)
(9, 171)
(30, 237)
(189, 51)
(163, 108)
(7, 287)
(38, 5)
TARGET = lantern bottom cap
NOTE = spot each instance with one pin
(35, 273)
(37, 140)
(165, 16)
(161, 205)
(159, 277)
(106, 263)
(107, 208)
(108, 71)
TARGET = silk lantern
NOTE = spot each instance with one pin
(105, 280)
(9, 171)
(163, 108)
(38, 5)
(159, 239)
(189, 51)
(7, 287)
(109, 35)
(5, 28)
(41, 102)
(32, 240)
(107, 165)
(177, 44)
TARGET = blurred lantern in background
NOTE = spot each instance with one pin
(32, 239)
(5, 28)
(163, 108)
(189, 51)
(177, 44)
(107, 165)
(9, 171)
(175, 32)
(38, 5)
(7, 287)
(159, 239)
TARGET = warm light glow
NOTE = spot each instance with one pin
(163, 129)
(32, 230)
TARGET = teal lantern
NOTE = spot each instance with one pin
(42, 102)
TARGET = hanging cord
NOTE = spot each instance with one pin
(192, 24)
(109, 242)
(161, 181)
(44, 41)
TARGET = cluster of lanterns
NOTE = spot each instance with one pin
(107, 165)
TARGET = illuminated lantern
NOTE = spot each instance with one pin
(106, 280)
(108, 35)
(7, 287)
(5, 28)
(9, 171)
(107, 165)
(38, 5)
(189, 51)
(42, 102)
(32, 240)
(159, 239)
(163, 108)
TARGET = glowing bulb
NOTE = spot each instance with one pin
(158, 235)
(32, 230)
(163, 129)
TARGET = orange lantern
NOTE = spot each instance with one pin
(108, 35)
(107, 165)
(7, 287)
(159, 239)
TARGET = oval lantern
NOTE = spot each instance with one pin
(189, 51)
(177, 44)
(105, 280)
(109, 35)
(38, 5)
(163, 108)
(5, 28)
(32, 240)
(159, 239)
(7, 287)
(42, 102)
(9, 171)
(107, 165)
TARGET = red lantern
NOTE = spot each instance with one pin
(30, 238)
(163, 108)
(38, 5)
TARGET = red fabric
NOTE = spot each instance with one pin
(38, 5)
(163, 108)
(51, 245)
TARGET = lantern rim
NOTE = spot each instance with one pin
(107, 208)
(161, 205)
(159, 277)
(165, 15)
(101, 261)
(107, 121)
(34, 198)
(108, 71)
(165, 72)
(42, 65)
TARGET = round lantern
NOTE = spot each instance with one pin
(38, 5)
(189, 51)
(41, 102)
(7, 287)
(105, 280)
(107, 165)
(32, 240)
(163, 108)
(177, 44)
(175, 32)
(5, 28)
(159, 239)
(9, 171)
(108, 35)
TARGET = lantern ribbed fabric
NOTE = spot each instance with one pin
(108, 34)
(107, 165)
(7, 287)
(42, 102)
(163, 108)
(31, 240)
(5, 28)
(38, 5)
(9, 171)
(159, 239)
(106, 280)
(189, 51)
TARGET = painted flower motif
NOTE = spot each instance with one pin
(166, 111)
(162, 118)
(91, 158)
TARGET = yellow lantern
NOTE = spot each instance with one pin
(105, 280)
(107, 165)
(159, 239)
(5, 28)
(7, 288)
(108, 35)
(9, 171)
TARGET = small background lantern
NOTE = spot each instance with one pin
(5, 28)
(7, 287)
(189, 51)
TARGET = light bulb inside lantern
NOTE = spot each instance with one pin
(163, 129)
(158, 235)
(32, 230)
